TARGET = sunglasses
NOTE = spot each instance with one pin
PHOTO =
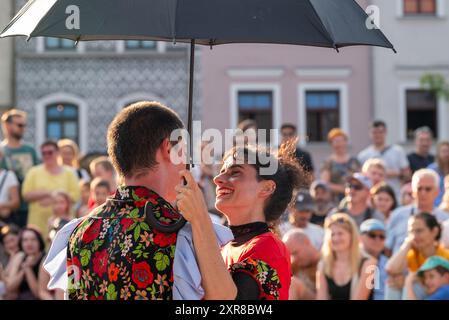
(20, 125)
(426, 189)
(376, 235)
(47, 153)
(356, 187)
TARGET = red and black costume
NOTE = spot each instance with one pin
(259, 263)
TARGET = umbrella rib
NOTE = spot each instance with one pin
(19, 14)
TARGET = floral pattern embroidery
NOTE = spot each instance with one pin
(115, 254)
(266, 276)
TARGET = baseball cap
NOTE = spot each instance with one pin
(364, 180)
(371, 225)
(432, 263)
(319, 184)
(304, 201)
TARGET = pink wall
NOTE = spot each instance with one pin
(216, 82)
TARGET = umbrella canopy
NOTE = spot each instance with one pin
(323, 23)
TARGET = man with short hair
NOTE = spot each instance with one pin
(304, 259)
(136, 246)
(372, 240)
(357, 193)
(289, 132)
(322, 197)
(299, 217)
(421, 158)
(394, 156)
(17, 156)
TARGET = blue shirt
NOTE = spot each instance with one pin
(441, 294)
(379, 289)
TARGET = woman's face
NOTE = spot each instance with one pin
(60, 206)
(67, 155)
(340, 238)
(30, 243)
(11, 243)
(383, 202)
(237, 188)
(339, 144)
(422, 236)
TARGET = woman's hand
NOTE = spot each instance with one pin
(190, 199)
(410, 279)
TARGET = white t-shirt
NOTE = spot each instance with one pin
(314, 232)
(10, 181)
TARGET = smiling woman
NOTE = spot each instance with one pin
(257, 262)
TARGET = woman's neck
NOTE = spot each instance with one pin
(342, 256)
(240, 216)
(429, 250)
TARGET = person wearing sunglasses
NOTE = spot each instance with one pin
(356, 201)
(42, 180)
(18, 157)
(372, 240)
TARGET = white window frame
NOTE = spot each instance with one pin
(59, 97)
(442, 112)
(440, 13)
(341, 87)
(137, 96)
(274, 87)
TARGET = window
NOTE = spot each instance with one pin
(140, 45)
(258, 106)
(322, 113)
(421, 111)
(62, 121)
(59, 44)
(420, 7)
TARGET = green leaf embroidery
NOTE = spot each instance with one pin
(85, 257)
(172, 251)
(144, 226)
(135, 197)
(162, 261)
(137, 233)
(134, 213)
(111, 294)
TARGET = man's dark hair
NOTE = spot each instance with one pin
(136, 133)
(288, 126)
(50, 143)
(378, 124)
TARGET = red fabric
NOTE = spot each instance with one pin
(267, 248)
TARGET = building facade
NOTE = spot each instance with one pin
(315, 89)
(6, 59)
(418, 29)
(75, 91)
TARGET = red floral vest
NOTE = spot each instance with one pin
(115, 253)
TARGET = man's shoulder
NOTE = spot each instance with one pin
(441, 215)
(401, 213)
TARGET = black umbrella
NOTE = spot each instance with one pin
(321, 23)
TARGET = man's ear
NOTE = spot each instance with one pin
(267, 189)
(165, 149)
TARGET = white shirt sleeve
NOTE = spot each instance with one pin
(11, 180)
(445, 234)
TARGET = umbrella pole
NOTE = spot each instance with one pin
(190, 120)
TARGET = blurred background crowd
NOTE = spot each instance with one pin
(373, 225)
